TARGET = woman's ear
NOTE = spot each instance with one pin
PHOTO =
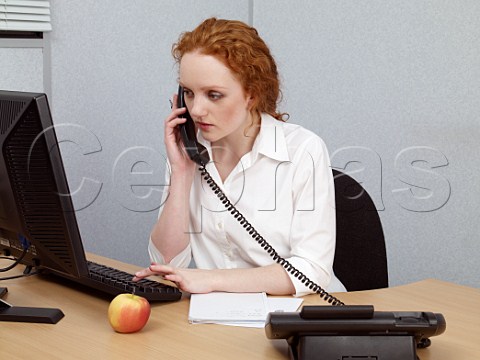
(250, 102)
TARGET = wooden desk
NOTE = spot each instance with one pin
(84, 332)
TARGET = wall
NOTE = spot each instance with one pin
(391, 87)
(21, 64)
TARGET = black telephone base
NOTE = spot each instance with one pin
(354, 332)
(324, 347)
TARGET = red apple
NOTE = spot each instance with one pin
(128, 313)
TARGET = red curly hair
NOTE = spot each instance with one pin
(240, 48)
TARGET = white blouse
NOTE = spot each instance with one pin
(284, 188)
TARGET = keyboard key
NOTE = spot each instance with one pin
(115, 281)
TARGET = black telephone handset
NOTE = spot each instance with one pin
(196, 151)
(199, 154)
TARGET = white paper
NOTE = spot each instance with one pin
(237, 309)
(283, 304)
(225, 307)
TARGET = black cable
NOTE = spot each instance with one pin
(264, 243)
(19, 276)
(16, 261)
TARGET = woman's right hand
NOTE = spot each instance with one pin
(177, 156)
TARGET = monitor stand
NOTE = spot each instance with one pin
(28, 314)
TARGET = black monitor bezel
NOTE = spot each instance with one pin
(39, 255)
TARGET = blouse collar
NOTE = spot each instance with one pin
(270, 141)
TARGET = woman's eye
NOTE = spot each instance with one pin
(214, 95)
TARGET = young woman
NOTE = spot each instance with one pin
(277, 174)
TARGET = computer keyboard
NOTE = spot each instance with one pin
(114, 282)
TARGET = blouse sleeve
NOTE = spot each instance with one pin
(313, 230)
(181, 260)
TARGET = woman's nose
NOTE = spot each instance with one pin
(197, 107)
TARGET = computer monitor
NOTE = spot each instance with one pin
(36, 210)
(38, 226)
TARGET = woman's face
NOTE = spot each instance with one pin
(214, 97)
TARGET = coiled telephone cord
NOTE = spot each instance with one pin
(264, 243)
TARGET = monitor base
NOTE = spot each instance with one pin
(29, 314)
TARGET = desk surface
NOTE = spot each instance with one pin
(84, 332)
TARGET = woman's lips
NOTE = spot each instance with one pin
(204, 126)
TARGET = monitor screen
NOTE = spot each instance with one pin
(37, 218)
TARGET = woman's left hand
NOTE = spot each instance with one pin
(195, 281)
